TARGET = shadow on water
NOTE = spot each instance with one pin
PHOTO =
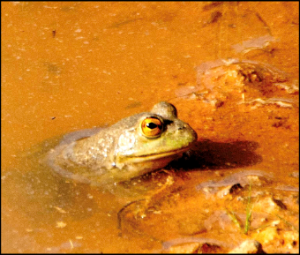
(207, 154)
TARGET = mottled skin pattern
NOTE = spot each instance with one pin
(122, 151)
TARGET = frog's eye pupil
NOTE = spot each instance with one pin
(152, 127)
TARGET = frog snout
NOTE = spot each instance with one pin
(185, 128)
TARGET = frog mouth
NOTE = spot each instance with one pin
(160, 155)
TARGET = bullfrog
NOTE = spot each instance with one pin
(132, 147)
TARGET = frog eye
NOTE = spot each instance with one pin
(152, 127)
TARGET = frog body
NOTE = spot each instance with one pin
(132, 147)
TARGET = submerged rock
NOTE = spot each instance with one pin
(244, 82)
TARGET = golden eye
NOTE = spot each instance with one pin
(152, 127)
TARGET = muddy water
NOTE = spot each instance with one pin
(72, 65)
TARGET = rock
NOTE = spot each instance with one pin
(257, 180)
(195, 247)
(231, 189)
(291, 240)
(269, 205)
(268, 235)
(209, 248)
(248, 247)
(185, 248)
(284, 241)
